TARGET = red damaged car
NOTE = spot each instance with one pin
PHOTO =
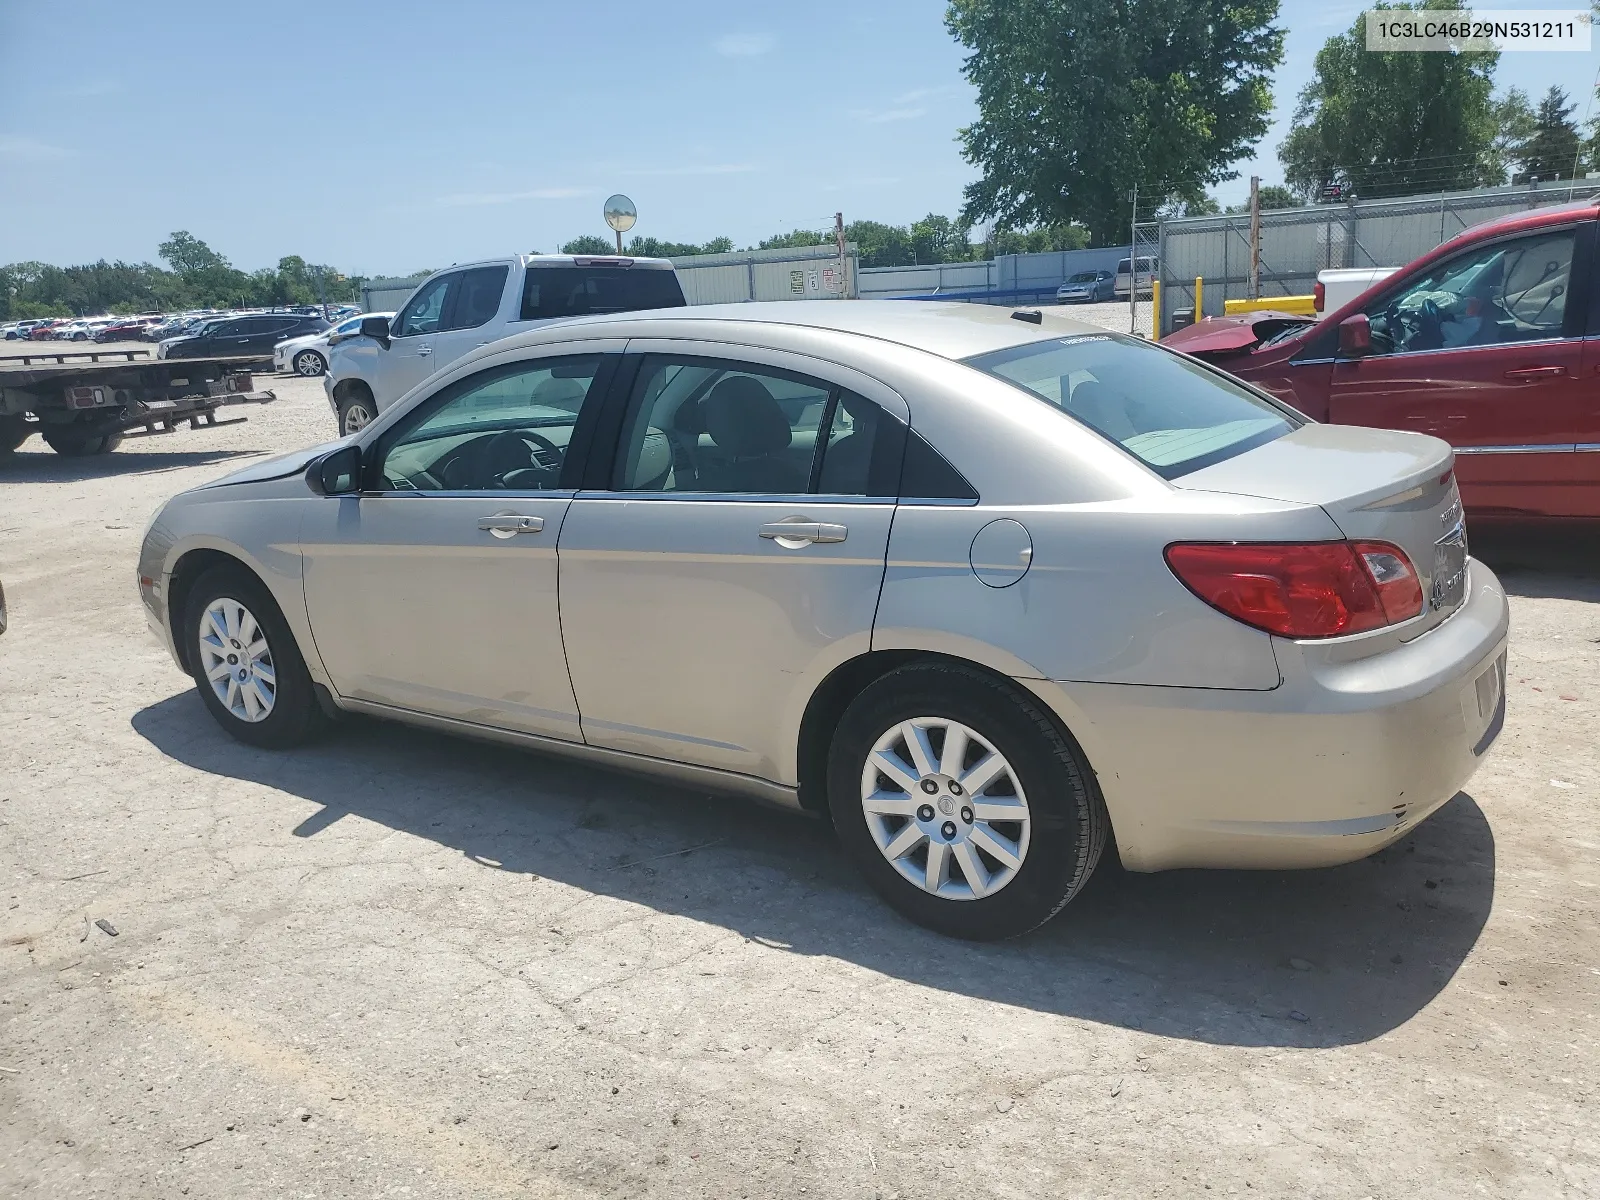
(1491, 342)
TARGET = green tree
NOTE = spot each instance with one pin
(1514, 124)
(589, 244)
(798, 237)
(938, 239)
(1393, 124)
(880, 245)
(1273, 195)
(1038, 240)
(1081, 100)
(1552, 149)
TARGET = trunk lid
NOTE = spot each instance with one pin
(1377, 484)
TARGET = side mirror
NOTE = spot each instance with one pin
(1355, 336)
(376, 328)
(337, 473)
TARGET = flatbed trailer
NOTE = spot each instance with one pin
(87, 402)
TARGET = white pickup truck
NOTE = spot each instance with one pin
(1338, 286)
(454, 312)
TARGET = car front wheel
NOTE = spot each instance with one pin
(961, 801)
(245, 662)
(356, 412)
(309, 363)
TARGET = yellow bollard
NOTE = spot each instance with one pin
(1155, 310)
(1199, 298)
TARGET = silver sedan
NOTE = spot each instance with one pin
(984, 588)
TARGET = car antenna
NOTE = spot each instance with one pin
(1031, 315)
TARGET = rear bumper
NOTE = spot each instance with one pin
(1337, 762)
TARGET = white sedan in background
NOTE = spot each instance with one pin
(308, 354)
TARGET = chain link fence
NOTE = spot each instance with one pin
(1298, 243)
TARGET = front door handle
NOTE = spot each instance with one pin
(424, 351)
(797, 533)
(1535, 372)
(508, 525)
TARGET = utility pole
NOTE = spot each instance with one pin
(838, 237)
(1133, 261)
(1255, 241)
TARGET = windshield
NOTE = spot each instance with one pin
(1173, 415)
(1082, 277)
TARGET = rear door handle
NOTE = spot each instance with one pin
(424, 351)
(507, 525)
(1535, 372)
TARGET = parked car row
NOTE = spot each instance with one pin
(149, 326)
(234, 334)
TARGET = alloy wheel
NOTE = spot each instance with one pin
(308, 363)
(945, 808)
(356, 417)
(237, 661)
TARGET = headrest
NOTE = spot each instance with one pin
(560, 393)
(743, 418)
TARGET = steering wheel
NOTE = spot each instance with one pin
(543, 443)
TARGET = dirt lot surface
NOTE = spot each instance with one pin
(396, 964)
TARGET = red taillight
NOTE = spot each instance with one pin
(1319, 296)
(1302, 589)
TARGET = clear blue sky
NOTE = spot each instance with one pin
(384, 138)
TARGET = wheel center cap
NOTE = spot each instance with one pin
(946, 805)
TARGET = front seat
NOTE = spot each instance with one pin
(749, 427)
(1100, 407)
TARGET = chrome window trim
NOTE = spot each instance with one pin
(795, 498)
(1540, 448)
(1393, 354)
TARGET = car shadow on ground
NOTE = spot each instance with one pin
(53, 468)
(1558, 562)
(1309, 958)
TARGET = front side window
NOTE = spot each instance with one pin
(549, 292)
(477, 297)
(712, 425)
(506, 429)
(1173, 415)
(1511, 291)
(425, 311)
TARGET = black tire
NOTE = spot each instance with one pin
(71, 442)
(295, 716)
(357, 401)
(1068, 819)
(13, 432)
(309, 364)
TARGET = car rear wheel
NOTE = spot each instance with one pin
(309, 363)
(966, 807)
(245, 662)
(13, 432)
(356, 412)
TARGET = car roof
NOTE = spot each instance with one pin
(948, 329)
(1533, 218)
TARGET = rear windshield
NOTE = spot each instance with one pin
(1173, 415)
(573, 291)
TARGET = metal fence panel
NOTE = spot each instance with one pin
(790, 273)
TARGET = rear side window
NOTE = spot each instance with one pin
(1173, 415)
(477, 297)
(573, 291)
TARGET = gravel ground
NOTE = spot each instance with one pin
(396, 964)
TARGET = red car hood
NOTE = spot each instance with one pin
(1222, 335)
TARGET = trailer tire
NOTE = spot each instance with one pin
(13, 432)
(73, 443)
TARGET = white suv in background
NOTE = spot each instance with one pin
(454, 312)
